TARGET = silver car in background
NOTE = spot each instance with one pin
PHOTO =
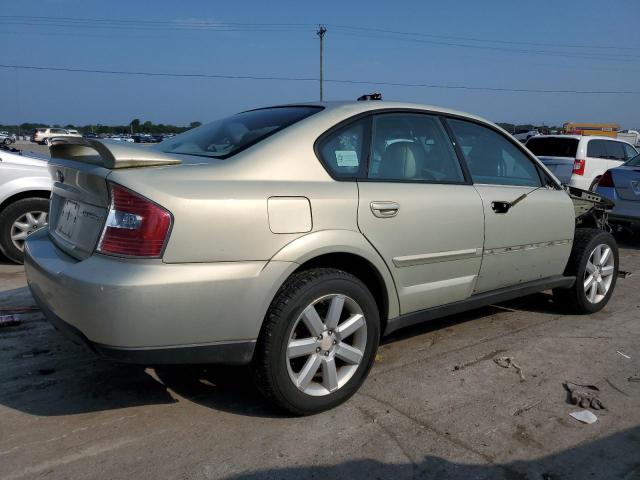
(292, 238)
(622, 186)
(25, 187)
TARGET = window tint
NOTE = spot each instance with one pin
(553, 146)
(629, 150)
(634, 162)
(343, 150)
(615, 151)
(408, 146)
(596, 149)
(58, 130)
(493, 159)
(223, 138)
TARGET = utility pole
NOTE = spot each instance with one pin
(321, 31)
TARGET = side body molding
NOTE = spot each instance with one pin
(323, 242)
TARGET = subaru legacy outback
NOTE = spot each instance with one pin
(292, 238)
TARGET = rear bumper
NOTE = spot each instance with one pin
(625, 211)
(147, 311)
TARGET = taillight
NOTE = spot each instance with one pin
(136, 227)
(606, 180)
(578, 166)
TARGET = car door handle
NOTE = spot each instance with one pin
(385, 209)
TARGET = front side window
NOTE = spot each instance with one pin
(412, 147)
(615, 151)
(492, 159)
(226, 137)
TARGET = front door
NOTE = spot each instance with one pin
(420, 213)
(530, 240)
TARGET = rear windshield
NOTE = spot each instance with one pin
(226, 137)
(553, 147)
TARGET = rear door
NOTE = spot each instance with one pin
(420, 212)
(530, 241)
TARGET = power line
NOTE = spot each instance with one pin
(484, 40)
(315, 79)
(71, 21)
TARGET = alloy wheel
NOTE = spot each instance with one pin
(326, 345)
(598, 274)
(25, 225)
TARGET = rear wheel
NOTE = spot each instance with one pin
(318, 341)
(594, 262)
(18, 221)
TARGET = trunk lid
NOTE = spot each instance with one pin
(80, 196)
(626, 180)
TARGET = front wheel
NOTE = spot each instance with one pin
(594, 262)
(18, 221)
(318, 341)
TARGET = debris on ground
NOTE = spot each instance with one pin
(623, 354)
(506, 362)
(584, 416)
(583, 395)
(10, 320)
(624, 274)
(633, 379)
(526, 408)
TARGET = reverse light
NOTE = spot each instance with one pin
(578, 166)
(135, 227)
(606, 180)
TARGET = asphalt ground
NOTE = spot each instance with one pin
(435, 405)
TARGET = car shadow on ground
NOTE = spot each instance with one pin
(612, 457)
(45, 374)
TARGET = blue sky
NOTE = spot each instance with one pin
(68, 97)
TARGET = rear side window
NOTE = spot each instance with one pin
(343, 151)
(629, 150)
(553, 147)
(226, 137)
(596, 149)
(492, 159)
(412, 147)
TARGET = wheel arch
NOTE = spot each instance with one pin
(349, 251)
(44, 194)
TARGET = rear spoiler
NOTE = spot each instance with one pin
(108, 154)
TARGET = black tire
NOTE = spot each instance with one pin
(594, 184)
(270, 363)
(12, 213)
(575, 298)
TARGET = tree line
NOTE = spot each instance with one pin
(135, 126)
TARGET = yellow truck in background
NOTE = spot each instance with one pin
(602, 129)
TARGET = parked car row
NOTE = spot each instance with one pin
(578, 160)
(132, 138)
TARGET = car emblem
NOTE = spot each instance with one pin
(635, 185)
(60, 176)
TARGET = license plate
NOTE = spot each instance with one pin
(68, 218)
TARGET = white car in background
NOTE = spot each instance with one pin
(524, 135)
(578, 160)
(43, 135)
(25, 188)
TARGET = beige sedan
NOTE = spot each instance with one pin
(294, 237)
